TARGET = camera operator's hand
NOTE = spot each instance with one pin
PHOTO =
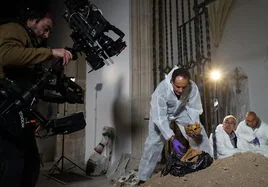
(64, 54)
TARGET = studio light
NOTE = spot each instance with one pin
(215, 75)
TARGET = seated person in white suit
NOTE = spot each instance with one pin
(252, 134)
(226, 140)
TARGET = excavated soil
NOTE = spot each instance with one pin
(242, 169)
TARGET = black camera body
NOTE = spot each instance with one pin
(89, 28)
(18, 98)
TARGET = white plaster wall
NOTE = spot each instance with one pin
(245, 44)
(113, 100)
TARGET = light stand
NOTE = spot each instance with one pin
(97, 88)
(215, 119)
(215, 76)
(61, 159)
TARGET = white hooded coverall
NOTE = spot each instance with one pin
(159, 125)
(225, 147)
(246, 134)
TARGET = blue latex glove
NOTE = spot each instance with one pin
(256, 141)
(177, 146)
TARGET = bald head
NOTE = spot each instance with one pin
(252, 119)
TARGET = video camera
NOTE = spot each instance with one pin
(19, 95)
(89, 28)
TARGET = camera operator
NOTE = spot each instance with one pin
(21, 47)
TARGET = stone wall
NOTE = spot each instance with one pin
(142, 65)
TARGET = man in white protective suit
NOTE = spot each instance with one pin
(252, 134)
(175, 98)
(226, 139)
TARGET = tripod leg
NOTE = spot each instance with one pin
(55, 166)
(75, 165)
(41, 161)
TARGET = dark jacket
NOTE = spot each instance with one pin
(17, 48)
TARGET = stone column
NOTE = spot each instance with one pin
(141, 57)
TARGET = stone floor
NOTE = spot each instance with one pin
(44, 181)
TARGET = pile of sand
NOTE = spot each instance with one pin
(242, 169)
